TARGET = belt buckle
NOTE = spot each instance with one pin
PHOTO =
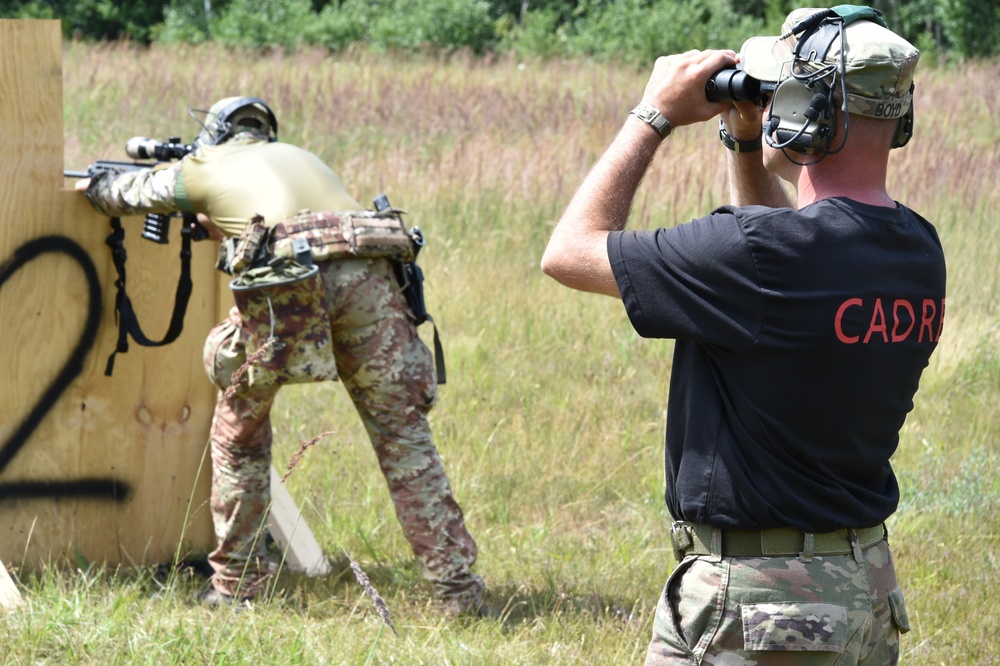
(302, 251)
(680, 538)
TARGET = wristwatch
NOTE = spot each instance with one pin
(736, 145)
(651, 115)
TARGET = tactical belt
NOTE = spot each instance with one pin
(343, 234)
(696, 539)
(313, 237)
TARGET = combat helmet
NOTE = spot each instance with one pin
(232, 115)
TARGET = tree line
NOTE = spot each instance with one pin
(626, 30)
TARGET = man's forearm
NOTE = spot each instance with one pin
(751, 184)
(134, 192)
(603, 201)
(576, 254)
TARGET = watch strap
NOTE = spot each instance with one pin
(737, 146)
(650, 115)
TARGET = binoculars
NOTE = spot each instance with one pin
(735, 85)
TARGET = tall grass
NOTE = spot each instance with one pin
(552, 421)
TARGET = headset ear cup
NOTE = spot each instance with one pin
(904, 129)
(801, 118)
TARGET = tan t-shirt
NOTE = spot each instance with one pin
(244, 177)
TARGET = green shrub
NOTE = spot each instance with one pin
(337, 28)
(184, 21)
(642, 30)
(538, 34)
(443, 24)
(971, 26)
(91, 19)
(261, 23)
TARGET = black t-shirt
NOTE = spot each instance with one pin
(800, 340)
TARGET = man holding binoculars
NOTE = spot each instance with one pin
(801, 331)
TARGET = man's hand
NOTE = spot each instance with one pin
(743, 120)
(213, 231)
(82, 185)
(677, 86)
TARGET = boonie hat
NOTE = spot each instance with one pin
(879, 64)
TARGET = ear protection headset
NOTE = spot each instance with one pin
(225, 128)
(220, 129)
(803, 112)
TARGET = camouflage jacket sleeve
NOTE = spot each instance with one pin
(134, 192)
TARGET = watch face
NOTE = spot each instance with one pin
(653, 118)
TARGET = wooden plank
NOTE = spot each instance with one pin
(289, 530)
(10, 597)
(106, 469)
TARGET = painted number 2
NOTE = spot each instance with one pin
(101, 487)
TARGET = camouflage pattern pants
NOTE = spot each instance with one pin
(389, 374)
(757, 611)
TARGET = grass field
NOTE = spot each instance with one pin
(551, 423)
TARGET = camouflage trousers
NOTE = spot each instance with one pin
(389, 375)
(762, 611)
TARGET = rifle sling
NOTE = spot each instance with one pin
(128, 322)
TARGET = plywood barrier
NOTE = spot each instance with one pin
(93, 468)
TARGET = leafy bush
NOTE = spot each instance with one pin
(337, 28)
(444, 24)
(636, 30)
(259, 23)
(184, 21)
(642, 30)
(971, 26)
(538, 34)
(91, 19)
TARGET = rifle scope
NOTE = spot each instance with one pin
(141, 148)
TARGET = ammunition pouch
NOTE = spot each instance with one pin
(250, 247)
(224, 351)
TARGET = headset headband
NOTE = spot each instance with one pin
(222, 117)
